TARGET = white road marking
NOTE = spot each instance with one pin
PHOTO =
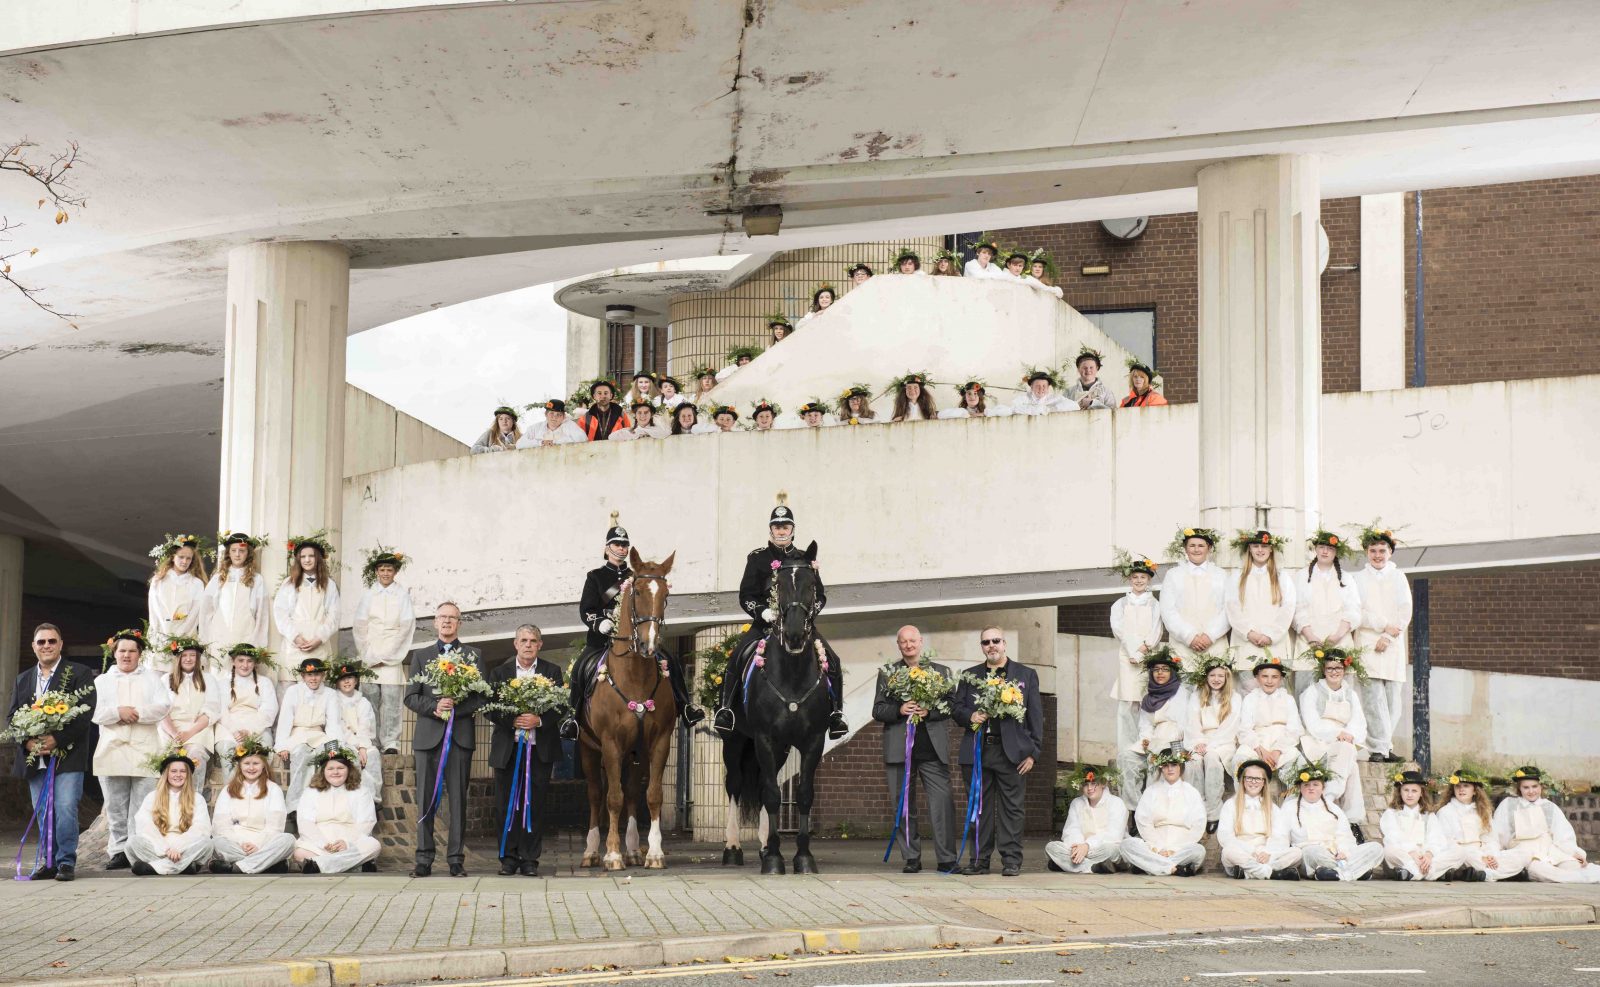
(1586, 969)
(1302, 973)
(946, 983)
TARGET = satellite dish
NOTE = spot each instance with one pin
(1126, 229)
(1322, 248)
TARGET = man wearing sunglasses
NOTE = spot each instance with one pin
(1008, 748)
(70, 748)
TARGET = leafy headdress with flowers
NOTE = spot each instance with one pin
(1038, 256)
(968, 384)
(381, 555)
(909, 377)
(1349, 657)
(985, 243)
(318, 538)
(1176, 754)
(1031, 372)
(1294, 775)
(1106, 775)
(1175, 546)
(1144, 366)
(250, 746)
(342, 666)
(1340, 545)
(764, 405)
(1089, 351)
(1552, 787)
(170, 544)
(737, 353)
(335, 751)
(815, 404)
(1244, 538)
(261, 656)
(1125, 564)
(219, 551)
(955, 257)
(157, 763)
(109, 649)
(702, 370)
(1204, 662)
(904, 254)
(1376, 531)
(177, 644)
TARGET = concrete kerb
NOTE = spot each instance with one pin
(350, 971)
(1487, 917)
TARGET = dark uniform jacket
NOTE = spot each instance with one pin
(757, 581)
(421, 699)
(503, 742)
(76, 737)
(598, 600)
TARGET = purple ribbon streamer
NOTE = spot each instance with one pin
(444, 758)
(45, 815)
(902, 814)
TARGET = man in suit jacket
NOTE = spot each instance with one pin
(1009, 749)
(930, 758)
(523, 845)
(74, 743)
(427, 742)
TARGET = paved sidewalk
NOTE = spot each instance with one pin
(118, 924)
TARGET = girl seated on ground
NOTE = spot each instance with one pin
(1245, 831)
(1527, 821)
(249, 815)
(1414, 846)
(1171, 820)
(1320, 831)
(172, 832)
(1465, 820)
(336, 818)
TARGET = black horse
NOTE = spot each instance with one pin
(786, 706)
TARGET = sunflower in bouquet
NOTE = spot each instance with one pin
(453, 678)
(998, 697)
(922, 685)
(48, 713)
(536, 694)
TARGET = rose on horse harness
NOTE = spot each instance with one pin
(647, 705)
(808, 620)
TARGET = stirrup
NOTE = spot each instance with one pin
(568, 730)
(692, 714)
(717, 721)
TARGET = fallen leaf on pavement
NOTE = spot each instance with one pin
(1074, 970)
(1007, 962)
(782, 973)
(58, 964)
(66, 938)
(748, 976)
(1347, 920)
(1409, 927)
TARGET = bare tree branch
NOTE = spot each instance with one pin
(58, 189)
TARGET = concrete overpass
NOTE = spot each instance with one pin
(453, 150)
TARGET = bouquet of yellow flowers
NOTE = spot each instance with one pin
(923, 686)
(998, 697)
(47, 714)
(453, 678)
(535, 694)
(713, 664)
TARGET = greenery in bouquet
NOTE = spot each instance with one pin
(453, 678)
(997, 696)
(923, 686)
(48, 713)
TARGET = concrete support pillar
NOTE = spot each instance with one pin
(1383, 292)
(1260, 360)
(283, 392)
(586, 350)
(10, 614)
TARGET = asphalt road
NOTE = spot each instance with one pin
(1497, 957)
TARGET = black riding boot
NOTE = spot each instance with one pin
(688, 710)
(732, 683)
(837, 727)
(578, 690)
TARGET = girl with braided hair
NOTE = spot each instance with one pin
(1321, 832)
(1328, 608)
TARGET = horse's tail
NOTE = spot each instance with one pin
(742, 776)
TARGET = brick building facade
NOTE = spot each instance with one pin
(1511, 293)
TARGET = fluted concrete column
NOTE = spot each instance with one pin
(283, 392)
(1260, 360)
(10, 614)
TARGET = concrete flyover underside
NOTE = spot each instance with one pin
(458, 150)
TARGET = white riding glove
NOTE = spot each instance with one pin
(605, 626)
(769, 615)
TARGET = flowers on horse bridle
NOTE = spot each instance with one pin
(648, 706)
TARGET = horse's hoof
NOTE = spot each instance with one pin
(771, 863)
(590, 860)
(636, 858)
(738, 856)
(615, 862)
(727, 856)
(805, 863)
(656, 862)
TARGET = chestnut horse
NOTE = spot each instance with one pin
(630, 721)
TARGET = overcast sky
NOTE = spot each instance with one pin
(451, 367)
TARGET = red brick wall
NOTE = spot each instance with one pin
(1089, 619)
(851, 789)
(1511, 289)
(1159, 270)
(1540, 621)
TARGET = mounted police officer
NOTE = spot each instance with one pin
(596, 608)
(754, 589)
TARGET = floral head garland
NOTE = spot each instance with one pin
(157, 763)
(1134, 363)
(219, 551)
(984, 243)
(955, 257)
(1349, 658)
(341, 667)
(170, 545)
(1311, 771)
(250, 746)
(1204, 663)
(859, 265)
(1376, 532)
(1175, 550)
(723, 409)
(1517, 776)
(382, 555)
(738, 353)
(765, 405)
(1090, 353)
(335, 751)
(919, 377)
(815, 404)
(506, 409)
(1162, 654)
(580, 397)
(109, 649)
(317, 539)
(1038, 256)
(1466, 775)
(600, 382)
(1244, 538)
(179, 643)
(1176, 754)
(261, 656)
(1341, 547)
(1106, 775)
(1032, 373)
(777, 318)
(905, 254)
(969, 384)
(703, 370)
(1125, 565)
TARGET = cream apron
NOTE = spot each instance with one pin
(1130, 681)
(1414, 829)
(232, 622)
(1272, 723)
(1322, 827)
(1325, 612)
(1530, 833)
(1471, 837)
(388, 635)
(186, 708)
(124, 746)
(1253, 830)
(243, 712)
(310, 605)
(309, 721)
(1389, 664)
(334, 821)
(1336, 710)
(251, 826)
(1197, 606)
(1171, 821)
(1258, 612)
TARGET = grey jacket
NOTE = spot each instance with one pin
(886, 710)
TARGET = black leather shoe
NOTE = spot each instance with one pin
(1376, 758)
(568, 729)
(193, 868)
(458, 870)
(975, 869)
(1185, 870)
(422, 870)
(1326, 874)
(508, 866)
(310, 867)
(142, 869)
(913, 866)
(723, 721)
(949, 866)
(1211, 827)
(43, 874)
(837, 727)
(1356, 832)
(119, 861)
(1401, 874)
(1011, 870)
(529, 868)
(66, 872)
(220, 866)
(370, 867)
(693, 714)
(391, 750)
(1286, 874)
(1103, 867)
(1470, 873)
(281, 867)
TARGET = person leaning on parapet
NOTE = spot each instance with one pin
(645, 425)
(503, 435)
(603, 417)
(69, 746)
(946, 264)
(1089, 391)
(929, 758)
(821, 299)
(557, 430)
(1041, 397)
(1016, 267)
(982, 264)
(1143, 386)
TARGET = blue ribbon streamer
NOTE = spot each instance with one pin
(512, 802)
(974, 795)
(444, 758)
